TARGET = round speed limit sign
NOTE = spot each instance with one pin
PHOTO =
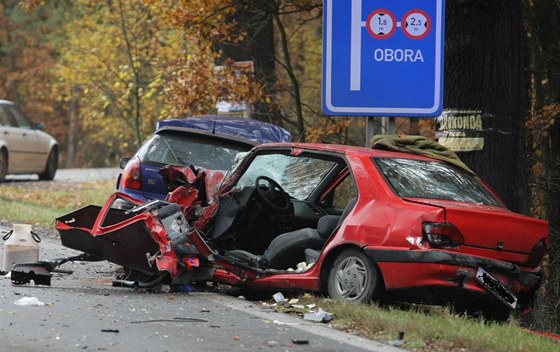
(416, 24)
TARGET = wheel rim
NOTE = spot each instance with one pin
(351, 278)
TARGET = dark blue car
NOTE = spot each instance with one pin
(210, 141)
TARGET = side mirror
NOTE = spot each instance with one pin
(123, 162)
(39, 126)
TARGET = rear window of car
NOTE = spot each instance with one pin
(433, 180)
(190, 149)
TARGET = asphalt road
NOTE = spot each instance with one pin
(84, 312)
(73, 175)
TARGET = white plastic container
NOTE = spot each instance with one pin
(22, 246)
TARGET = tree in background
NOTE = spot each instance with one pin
(205, 75)
(285, 87)
(27, 56)
(542, 140)
(115, 58)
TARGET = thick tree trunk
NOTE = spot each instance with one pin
(483, 72)
(257, 47)
(74, 113)
(543, 82)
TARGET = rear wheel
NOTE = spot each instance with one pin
(50, 168)
(353, 277)
(3, 164)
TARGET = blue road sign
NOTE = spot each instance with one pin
(383, 58)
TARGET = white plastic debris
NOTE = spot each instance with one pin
(301, 267)
(29, 301)
(399, 341)
(278, 297)
(319, 317)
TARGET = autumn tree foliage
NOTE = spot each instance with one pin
(27, 56)
(115, 58)
(289, 94)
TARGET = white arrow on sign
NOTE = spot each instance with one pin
(377, 31)
(356, 45)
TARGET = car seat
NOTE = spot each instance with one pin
(288, 249)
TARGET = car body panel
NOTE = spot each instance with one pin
(153, 185)
(233, 230)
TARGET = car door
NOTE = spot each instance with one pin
(10, 138)
(26, 152)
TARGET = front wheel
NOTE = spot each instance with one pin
(50, 168)
(353, 277)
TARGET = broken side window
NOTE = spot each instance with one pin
(434, 180)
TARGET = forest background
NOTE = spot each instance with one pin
(100, 73)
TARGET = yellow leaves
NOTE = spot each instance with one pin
(121, 57)
(330, 126)
(539, 125)
(29, 5)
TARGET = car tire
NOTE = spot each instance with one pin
(354, 277)
(3, 164)
(50, 168)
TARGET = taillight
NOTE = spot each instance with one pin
(132, 177)
(442, 235)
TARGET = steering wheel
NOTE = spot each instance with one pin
(272, 193)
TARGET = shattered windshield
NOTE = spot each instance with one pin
(434, 180)
(298, 176)
(190, 149)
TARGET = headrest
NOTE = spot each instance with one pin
(326, 225)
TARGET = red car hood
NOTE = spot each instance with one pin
(493, 228)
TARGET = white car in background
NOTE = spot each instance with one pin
(24, 147)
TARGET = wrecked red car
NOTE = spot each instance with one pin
(353, 222)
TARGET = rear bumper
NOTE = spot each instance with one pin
(447, 276)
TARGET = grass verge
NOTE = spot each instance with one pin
(40, 203)
(428, 328)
